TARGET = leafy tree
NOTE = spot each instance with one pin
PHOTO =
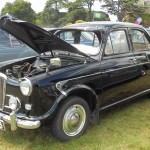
(146, 20)
(76, 11)
(77, 14)
(123, 8)
(20, 9)
(89, 4)
(51, 16)
(7, 8)
(54, 4)
(38, 20)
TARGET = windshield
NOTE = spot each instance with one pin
(86, 42)
(12, 48)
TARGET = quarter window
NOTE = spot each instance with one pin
(139, 40)
(116, 43)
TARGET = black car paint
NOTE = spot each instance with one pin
(103, 83)
(121, 74)
(44, 83)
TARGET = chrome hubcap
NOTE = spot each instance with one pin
(74, 120)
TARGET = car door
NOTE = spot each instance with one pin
(141, 47)
(119, 69)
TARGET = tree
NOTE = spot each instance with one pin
(89, 4)
(7, 8)
(146, 20)
(38, 20)
(20, 9)
(76, 11)
(51, 16)
(100, 16)
(123, 8)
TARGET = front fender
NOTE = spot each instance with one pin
(76, 89)
(93, 103)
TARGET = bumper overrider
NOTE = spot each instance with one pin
(13, 104)
(17, 122)
(13, 119)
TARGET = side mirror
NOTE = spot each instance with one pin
(55, 62)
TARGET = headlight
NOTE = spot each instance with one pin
(26, 86)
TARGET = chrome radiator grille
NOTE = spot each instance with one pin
(3, 80)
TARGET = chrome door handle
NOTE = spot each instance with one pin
(134, 60)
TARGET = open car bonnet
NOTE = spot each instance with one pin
(35, 37)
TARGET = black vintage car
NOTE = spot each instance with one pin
(67, 85)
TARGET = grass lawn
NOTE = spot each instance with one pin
(123, 128)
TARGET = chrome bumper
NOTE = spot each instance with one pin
(17, 122)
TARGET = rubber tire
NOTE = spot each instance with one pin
(57, 127)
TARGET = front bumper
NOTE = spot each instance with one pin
(17, 122)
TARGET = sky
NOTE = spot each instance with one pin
(38, 6)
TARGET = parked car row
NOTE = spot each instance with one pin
(81, 70)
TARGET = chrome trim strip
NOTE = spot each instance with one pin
(3, 80)
(96, 74)
(135, 65)
(59, 86)
(126, 99)
(63, 82)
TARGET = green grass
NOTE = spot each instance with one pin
(123, 128)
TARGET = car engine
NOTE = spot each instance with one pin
(44, 64)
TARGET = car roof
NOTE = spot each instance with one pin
(101, 24)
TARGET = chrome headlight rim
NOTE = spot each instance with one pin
(27, 82)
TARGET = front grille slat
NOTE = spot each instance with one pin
(3, 80)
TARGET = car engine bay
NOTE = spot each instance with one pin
(40, 64)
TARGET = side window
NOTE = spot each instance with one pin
(139, 40)
(117, 43)
(87, 42)
(67, 36)
(108, 48)
(79, 37)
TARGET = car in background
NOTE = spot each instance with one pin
(12, 48)
(68, 86)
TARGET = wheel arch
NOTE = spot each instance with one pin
(85, 92)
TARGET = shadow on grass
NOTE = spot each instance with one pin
(29, 139)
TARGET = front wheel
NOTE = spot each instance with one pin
(72, 119)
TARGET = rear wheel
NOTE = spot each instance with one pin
(72, 119)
